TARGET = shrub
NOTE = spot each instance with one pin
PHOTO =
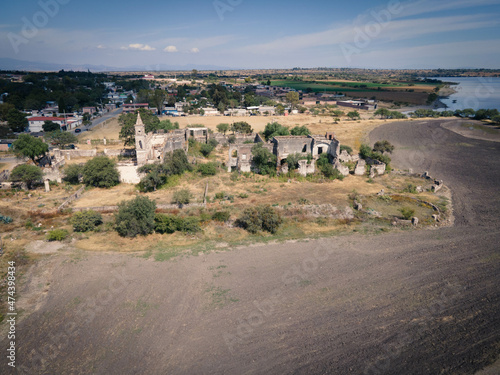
(189, 224)
(86, 221)
(383, 146)
(165, 223)
(259, 218)
(222, 216)
(264, 160)
(176, 163)
(407, 213)
(346, 148)
(101, 172)
(231, 139)
(183, 196)
(410, 188)
(5, 219)
(135, 217)
(57, 235)
(209, 169)
(206, 149)
(29, 174)
(73, 173)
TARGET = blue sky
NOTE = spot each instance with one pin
(254, 34)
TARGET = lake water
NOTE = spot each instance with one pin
(473, 92)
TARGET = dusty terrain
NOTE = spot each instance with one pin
(414, 302)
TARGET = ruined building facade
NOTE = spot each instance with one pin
(240, 155)
(152, 147)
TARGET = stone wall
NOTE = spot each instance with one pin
(72, 198)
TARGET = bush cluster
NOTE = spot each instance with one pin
(57, 235)
(167, 224)
(175, 163)
(208, 169)
(85, 221)
(135, 217)
(221, 216)
(259, 218)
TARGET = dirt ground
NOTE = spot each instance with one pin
(410, 302)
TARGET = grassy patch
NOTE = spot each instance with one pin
(219, 297)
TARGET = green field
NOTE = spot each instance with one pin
(333, 86)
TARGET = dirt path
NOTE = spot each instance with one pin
(410, 302)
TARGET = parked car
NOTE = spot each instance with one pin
(78, 130)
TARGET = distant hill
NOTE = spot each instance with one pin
(37, 66)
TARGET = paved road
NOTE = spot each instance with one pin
(100, 120)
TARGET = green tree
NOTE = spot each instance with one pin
(300, 130)
(223, 128)
(29, 146)
(73, 173)
(101, 172)
(259, 218)
(17, 120)
(156, 176)
(383, 146)
(382, 112)
(87, 119)
(280, 109)
(208, 169)
(135, 217)
(263, 159)
(176, 163)
(50, 126)
(158, 98)
(353, 115)
(60, 138)
(182, 196)
(4, 110)
(29, 174)
(242, 127)
(168, 125)
(85, 221)
(293, 160)
(292, 97)
(275, 129)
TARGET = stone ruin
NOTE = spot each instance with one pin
(240, 155)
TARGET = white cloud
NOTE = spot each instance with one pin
(396, 30)
(139, 47)
(171, 49)
(195, 50)
(100, 46)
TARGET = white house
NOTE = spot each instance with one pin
(35, 123)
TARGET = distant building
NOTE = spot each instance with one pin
(149, 77)
(90, 110)
(6, 144)
(130, 108)
(358, 104)
(36, 123)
